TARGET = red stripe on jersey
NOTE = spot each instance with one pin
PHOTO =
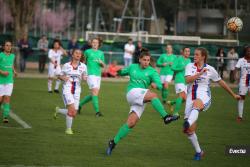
(73, 87)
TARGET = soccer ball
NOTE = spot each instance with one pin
(234, 24)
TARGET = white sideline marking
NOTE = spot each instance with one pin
(9, 127)
(19, 120)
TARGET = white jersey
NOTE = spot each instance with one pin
(202, 84)
(244, 67)
(73, 85)
(55, 56)
(130, 48)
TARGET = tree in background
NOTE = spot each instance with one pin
(6, 15)
(22, 13)
(53, 21)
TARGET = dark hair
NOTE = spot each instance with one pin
(75, 49)
(144, 52)
(56, 41)
(204, 52)
(185, 47)
(130, 39)
(245, 50)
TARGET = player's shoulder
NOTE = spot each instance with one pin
(83, 65)
(191, 65)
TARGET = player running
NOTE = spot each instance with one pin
(72, 73)
(141, 77)
(243, 65)
(198, 76)
(180, 84)
(6, 78)
(55, 56)
(164, 62)
(95, 61)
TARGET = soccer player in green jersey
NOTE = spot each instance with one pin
(95, 61)
(6, 78)
(180, 84)
(165, 62)
(141, 77)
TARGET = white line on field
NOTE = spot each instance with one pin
(19, 120)
(9, 127)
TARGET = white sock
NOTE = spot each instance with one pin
(240, 107)
(194, 140)
(57, 84)
(63, 111)
(193, 116)
(49, 85)
(69, 121)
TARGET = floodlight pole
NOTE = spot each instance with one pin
(236, 14)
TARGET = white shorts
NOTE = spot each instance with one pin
(166, 78)
(205, 98)
(69, 98)
(52, 71)
(135, 99)
(6, 89)
(180, 87)
(94, 81)
(243, 90)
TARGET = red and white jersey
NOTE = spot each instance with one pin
(75, 75)
(244, 67)
(55, 56)
(202, 84)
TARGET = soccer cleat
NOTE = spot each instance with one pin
(56, 91)
(198, 156)
(5, 120)
(55, 114)
(111, 146)
(98, 114)
(167, 119)
(79, 110)
(176, 117)
(69, 131)
(186, 126)
(239, 119)
(171, 107)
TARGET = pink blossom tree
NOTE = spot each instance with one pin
(54, 21)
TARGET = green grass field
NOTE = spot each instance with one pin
(150, 143)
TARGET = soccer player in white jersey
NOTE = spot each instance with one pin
(72, 74)
(55, 56)
(198, 76)
(243, 65)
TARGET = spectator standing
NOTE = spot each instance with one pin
(42, 45)
(129, 50)
(25, 49)
(73, 44)
(232, 61)
(138, 51)
(220, 61)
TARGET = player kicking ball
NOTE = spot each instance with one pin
(72, 74)
(198, 76)
(7, 71)
(243, 65)
(141, 77)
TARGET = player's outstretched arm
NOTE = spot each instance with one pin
(228, 89)
(123, 71)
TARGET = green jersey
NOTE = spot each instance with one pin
(6, 64)
(168, 59)
(179, 68)
(92, 60)
(141, 78)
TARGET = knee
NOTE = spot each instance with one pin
(131, 123)
(191, 130)
(71, 112)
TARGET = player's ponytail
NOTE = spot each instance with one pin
(204, 53)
